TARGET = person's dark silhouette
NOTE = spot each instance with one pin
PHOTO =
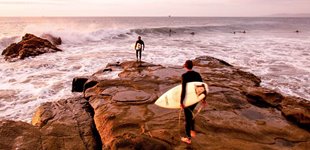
(139, 47)
(189, 76)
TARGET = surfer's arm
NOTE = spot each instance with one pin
(143, 46)
(183, 91)
(136, 45)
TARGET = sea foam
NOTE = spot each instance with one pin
(278, 55)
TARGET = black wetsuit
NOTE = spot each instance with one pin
(139, 51)
(189, 76)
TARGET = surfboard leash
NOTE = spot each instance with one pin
(180, 112)
(198, 111)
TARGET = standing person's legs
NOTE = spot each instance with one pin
(137, 54)
(140, 53)
(188, 124)
(188, 121)
(192, 127)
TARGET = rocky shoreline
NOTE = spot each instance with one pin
(120, 114)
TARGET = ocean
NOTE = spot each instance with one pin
(270, 48)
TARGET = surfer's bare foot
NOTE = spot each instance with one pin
(193, 133)
(186, 140)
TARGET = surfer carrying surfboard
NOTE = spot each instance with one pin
(189, 76)
(139, 47)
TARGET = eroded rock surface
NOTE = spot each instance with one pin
(19, 135)
(65, 125)
(119, 113)
(239, 115)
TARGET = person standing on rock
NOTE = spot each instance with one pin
(189, 76)
(139, 47)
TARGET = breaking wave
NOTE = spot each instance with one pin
(281, 60)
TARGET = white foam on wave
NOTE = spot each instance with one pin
(33, 84)
(72, 33)
(46, 78)
(6, 41)
(277, 60)
(281, 62)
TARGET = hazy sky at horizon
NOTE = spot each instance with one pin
(152, 7)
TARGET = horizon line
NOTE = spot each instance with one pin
(269, 16)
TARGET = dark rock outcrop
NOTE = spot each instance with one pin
(29, 46)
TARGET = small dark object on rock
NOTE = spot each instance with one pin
(107, 69)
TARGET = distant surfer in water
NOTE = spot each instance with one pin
(139, 47)
(189, 76)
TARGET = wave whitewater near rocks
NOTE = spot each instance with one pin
(90, 43)
(119, 113)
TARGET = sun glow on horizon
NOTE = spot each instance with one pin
(151, 7)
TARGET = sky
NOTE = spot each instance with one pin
(229, 8)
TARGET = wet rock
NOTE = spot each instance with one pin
(30, 45)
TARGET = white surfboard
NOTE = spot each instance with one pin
(138, 46)
(195, 92)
